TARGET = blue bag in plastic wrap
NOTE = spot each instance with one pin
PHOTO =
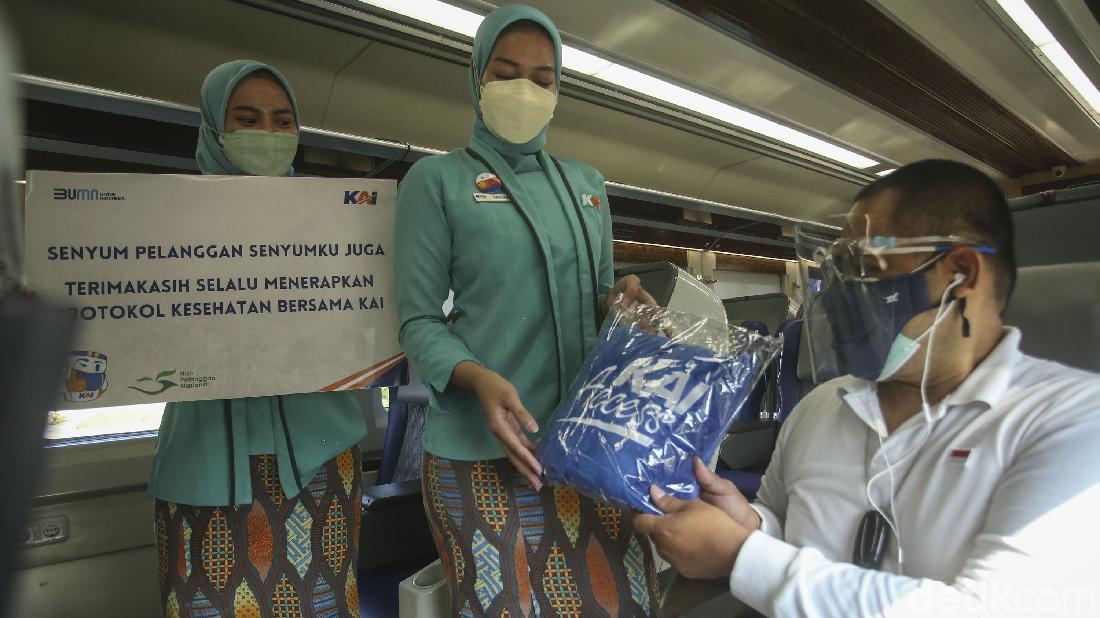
(659, 389)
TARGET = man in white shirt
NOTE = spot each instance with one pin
(960, 475)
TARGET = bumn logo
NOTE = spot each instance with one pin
(85, 195)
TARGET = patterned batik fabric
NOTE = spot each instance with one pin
(278, 557)
(511, 551)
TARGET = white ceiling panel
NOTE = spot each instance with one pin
(667, 39)
(770, 185)
(968, 36)
(345, 83)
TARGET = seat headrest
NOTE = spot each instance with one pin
(805, 368)
(771, 309)
(825, 371)
(755, 326)
(792, 337)
(1057, 309)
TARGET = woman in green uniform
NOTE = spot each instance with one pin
(257, 499)
(523, 239)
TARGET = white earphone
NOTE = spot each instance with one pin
(956, 281)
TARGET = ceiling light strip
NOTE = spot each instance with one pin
(695, 203)
(448, 17)
(743, 255)
(1052, 55)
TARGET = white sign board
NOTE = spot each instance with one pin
(216, 287)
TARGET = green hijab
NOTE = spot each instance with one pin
(487, 34)
(213, 100)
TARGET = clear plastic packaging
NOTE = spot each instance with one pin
(660, 388)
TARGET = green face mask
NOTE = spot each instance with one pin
(260, 153)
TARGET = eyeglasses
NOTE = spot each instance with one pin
(882, 256)
(872, 537)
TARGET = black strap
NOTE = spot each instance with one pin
(290, 446)
(872, 537)
(534, 234)
(962, 314)
(227, 408)
(587, 243)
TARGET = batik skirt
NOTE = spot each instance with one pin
(277, 557)
(511, 551)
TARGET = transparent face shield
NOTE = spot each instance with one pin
(866, 285)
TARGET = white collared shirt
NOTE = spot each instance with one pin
(997, 501)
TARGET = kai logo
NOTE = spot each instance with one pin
(591, 200)
(356, 198)
(87, 377)
(621, 400)
(161, 380)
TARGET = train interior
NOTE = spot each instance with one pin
(702, 194)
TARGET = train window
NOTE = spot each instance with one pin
(103, 423)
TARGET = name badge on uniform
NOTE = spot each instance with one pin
(591, 200)
(491, 197)
(489, 189)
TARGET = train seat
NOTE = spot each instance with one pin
(395, 540)
(755, 403)
(790, 384)
(752, 437)
(771, 309)
(404, 444)
(397, 423)
(1057, 308)
(746, 481)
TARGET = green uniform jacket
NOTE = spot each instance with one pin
(524, 304)
(196, 460)
(203, 446)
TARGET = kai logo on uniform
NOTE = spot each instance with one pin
(84, 195)
(356, 198)
(87, 376)
(591, 200)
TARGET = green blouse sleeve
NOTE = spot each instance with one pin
(605, 270)
(422, 262)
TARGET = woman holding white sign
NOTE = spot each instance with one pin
(258, 480)
(524, 240)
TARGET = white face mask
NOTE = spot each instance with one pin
(903, 348)
(516, 110)
(261, 153)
